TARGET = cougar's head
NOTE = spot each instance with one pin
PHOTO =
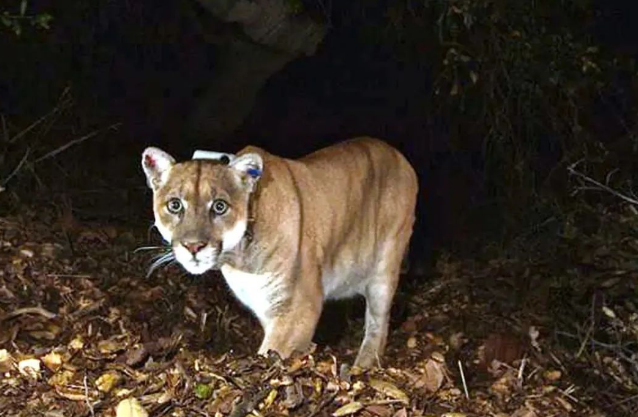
(201, 206)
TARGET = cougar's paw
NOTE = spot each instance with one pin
(367, 359)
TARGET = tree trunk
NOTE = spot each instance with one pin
(258, 38)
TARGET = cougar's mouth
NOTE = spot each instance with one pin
(199, 262)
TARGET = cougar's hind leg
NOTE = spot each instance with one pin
(379, 294)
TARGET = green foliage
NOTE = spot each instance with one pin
(15, 22)
(517, 78)
(295, 6)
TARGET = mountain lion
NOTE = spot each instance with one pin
(289, 234)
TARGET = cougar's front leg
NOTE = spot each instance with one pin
(293, 328)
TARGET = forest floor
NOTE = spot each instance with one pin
(83, 330)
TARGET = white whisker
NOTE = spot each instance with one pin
(143, 248)
(166, 258)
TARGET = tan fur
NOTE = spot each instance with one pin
(333, 224)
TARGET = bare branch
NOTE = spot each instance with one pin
(4, 182)
(596, 185)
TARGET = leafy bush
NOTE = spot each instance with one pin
(15, 21)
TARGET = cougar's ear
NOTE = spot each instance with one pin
(250, 166)
(156, 164)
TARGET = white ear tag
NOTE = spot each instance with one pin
(215, 156)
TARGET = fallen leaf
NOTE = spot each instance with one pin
(107, 381)
(203, 391)
(504, 348)
(379, 410)
(52, 360)
(523, 412)
(411, 343)
(272, 395)
(110, 346)
(130, 407)
(434, 375)
(7, 362)
(27, 253)
(77, 343)
(294, 396)
(505, 384)
(456, 340)
(389, 389)
(61, 378)
(552, 375)
(30, 368)
(348, 409)
(401, 413)
(73, 394)
(136, 355)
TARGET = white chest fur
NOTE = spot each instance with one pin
(258, 292)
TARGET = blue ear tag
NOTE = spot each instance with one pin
(254, 172)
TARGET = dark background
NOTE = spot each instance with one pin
(144, 64)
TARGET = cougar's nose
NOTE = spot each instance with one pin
(194, 247)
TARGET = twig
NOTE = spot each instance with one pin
(28, 310)
(617, 349)
(590, 329)
(521, 370)
(200, 412)
(16, 169)
(73, 143)
(467, 394)
(252, 397)
(86, 396)
(66, 146)
(5, 131)
(33, 125)
(625, 400)
(63, 101)
(598, 185)
(323, 405)
(568, 393)
(69, 276)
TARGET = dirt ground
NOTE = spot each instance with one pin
(83, 329)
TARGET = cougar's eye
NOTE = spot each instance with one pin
(219, 207)
(174, 205)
